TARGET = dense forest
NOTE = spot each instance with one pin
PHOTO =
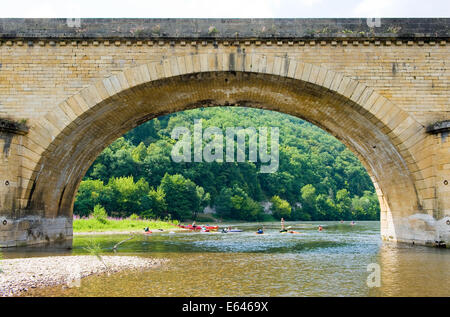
(318, 178)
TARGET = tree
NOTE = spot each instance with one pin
(139, 153)
(204, 199)
(344, 204)
(234, 203)
(89, 195)
(308, 195)
(366, 207)
(154, 204)
(100, 214)
(326, 209)
(183, 197)
(280, 208)
(124, 195)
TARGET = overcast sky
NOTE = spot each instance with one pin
(222, 8)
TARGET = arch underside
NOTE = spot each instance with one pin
(60, 171)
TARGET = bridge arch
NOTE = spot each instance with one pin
(75, 132)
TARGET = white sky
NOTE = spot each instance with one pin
(222, 8)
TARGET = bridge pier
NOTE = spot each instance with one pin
(20, 226)
(35, 230)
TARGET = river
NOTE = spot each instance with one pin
(337, 261)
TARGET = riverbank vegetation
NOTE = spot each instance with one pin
(318, 177)
(94, 223)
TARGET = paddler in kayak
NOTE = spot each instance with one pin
(226, 230)
(147, 230)
(259, 231)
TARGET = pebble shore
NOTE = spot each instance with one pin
(19, 275)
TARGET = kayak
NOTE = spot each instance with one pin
(231, 231)
(190, 227)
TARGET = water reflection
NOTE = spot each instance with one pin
(413, 271)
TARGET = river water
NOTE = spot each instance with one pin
(337, 261)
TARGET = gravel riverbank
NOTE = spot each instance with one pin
(20, 275)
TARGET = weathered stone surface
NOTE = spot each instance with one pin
(439, 127)
(232, 29)
(81, 84)
(9, 126)
(31, 230)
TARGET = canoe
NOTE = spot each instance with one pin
(190, 227)
(290, 231)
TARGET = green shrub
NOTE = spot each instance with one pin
(280, 207)
(100, 214)
(134, 217)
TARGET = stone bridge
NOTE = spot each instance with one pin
(69, 87)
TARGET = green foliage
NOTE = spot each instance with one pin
(344, 204)
(308, 197)
(313, 168)
(365, 207)
(154, 204)
(126, 224)
(184, 199)
(300, 214)
(234, 203)
(100, 214)
(88, 196)
(124, 195)
(93, 248)
(280, 208)
(134, 217)
(325, 208)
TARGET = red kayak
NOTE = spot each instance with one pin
(190, 227)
